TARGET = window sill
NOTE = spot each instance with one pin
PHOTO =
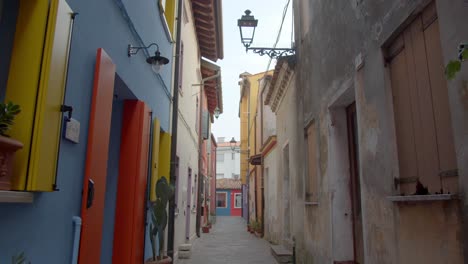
(422, 198)
(311, 203)
(16, 197)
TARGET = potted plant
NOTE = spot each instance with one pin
(20, 259)
(253, 226)
(8, 146)
(164, 192)
(258, 229)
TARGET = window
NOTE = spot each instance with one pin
(311, 194)
(219, 175)
(185, 14)
(43, 39)
(238, 200)
(181, 67)
(423, 126)
(221, 199)
(167, 7)
(220, 157)
(197, 118)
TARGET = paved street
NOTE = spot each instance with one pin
(229, 243)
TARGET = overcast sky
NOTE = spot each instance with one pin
(237, 61)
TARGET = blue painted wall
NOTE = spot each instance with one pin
(44, 229)
(224, 211)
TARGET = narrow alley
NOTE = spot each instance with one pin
(229, 243)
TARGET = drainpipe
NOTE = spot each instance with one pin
(200, 143)
(175, 118)
(76, 238)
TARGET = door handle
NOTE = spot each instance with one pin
(90, 199)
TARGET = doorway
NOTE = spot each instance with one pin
(355, 189)
(286, 194)
(188, 210)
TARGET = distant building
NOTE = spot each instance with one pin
(227, 160)
(228, 197)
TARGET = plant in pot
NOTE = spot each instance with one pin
(164, 192)
(8, 146)
(258, 229)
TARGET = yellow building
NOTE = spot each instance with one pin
(249, 85)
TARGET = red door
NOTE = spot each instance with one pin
(129, 230)
(94, 187)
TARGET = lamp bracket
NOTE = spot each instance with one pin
(273, 53)
(134, 50)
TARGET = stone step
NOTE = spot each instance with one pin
(281, 254)
(185, 247)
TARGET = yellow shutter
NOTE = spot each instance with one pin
(164, 155)
(155, 159)
(169, 12)
(168, 9)
(40, 52)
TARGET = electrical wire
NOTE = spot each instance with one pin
(285, 11)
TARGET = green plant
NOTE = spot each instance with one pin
(20, 259)
(8, 112)
(454, 66)
(164, 192)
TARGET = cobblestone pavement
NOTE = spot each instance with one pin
(229, 243)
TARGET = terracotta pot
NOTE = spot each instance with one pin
(8, 147)
(165, 260)
(205, 229)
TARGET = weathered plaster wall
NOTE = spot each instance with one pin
(289, 134)
(326, 51)
(272, 199)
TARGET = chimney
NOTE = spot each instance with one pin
(221, 139)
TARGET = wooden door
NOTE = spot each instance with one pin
(129, 230)
(355, 185)
(425, 143)
(188, 210)
(94, 187)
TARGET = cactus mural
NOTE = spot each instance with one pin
(164, 192)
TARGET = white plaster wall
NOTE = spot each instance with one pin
(187, 138)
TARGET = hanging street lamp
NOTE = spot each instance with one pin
(247, 24)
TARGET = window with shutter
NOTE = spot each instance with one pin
(311, 194)
(43, 40)
(422, 117)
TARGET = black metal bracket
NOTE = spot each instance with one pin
(67, 109)
(273, 53)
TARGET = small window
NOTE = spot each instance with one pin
(221, 199)
(238, 200)
(220, 157)
(311, 194)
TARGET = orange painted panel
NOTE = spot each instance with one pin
(96, 158)
(129, 230)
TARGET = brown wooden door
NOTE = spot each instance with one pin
(355, 187)
(422, 117)
(94, 187)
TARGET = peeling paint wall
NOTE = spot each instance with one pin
(329, 39)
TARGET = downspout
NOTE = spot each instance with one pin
(76, 238)
(175, 118)
(200, 143)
